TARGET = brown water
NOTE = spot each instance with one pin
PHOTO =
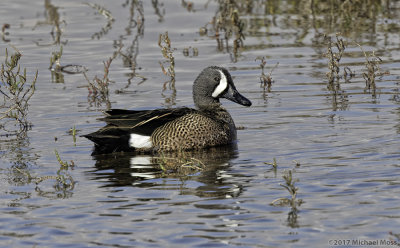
(345, 140)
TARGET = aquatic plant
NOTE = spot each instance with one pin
(73, 131)
(274, 164)
(16, 92)
(266, 80)
(98, 87)
(334, 58)
(165, 44)
(372, 63)
(289, 185)
(335, 50)
(64, 182)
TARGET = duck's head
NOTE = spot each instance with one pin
(213, 83)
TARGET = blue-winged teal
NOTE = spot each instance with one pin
(175, 129)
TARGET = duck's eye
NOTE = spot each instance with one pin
(217, 79)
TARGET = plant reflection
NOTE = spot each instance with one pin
(130, 53)
(205, 166)
(107, 14)
(53, 19)
(227, 24)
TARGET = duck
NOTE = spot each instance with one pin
(209, 124)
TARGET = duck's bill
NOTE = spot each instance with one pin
(233, 95)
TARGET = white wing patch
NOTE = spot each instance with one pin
(223, 84)
(140, 141)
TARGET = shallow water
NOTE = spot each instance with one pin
(346, 142)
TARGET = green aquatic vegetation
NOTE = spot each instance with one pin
(16, 91)
(274, 164)
(165, 44)
(63, 164)
(72, 131)
(64, 182)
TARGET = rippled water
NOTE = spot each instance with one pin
(341, 143)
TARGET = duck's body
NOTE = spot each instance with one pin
(175, 129)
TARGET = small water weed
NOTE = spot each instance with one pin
(334, 57)
(98, 87)
(372, 64)
(274, 164)
(165, 44)
(289, 185)
(16, 92)
(266, 80)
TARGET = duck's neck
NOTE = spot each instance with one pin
(206, 102)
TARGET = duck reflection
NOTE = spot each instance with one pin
(207, 166)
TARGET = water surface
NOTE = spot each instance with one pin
(345, 139)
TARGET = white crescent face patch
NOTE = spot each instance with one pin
(223, 84)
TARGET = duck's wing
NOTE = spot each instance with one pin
(122, 123)
(142, 122)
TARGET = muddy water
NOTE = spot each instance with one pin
(341, 141)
